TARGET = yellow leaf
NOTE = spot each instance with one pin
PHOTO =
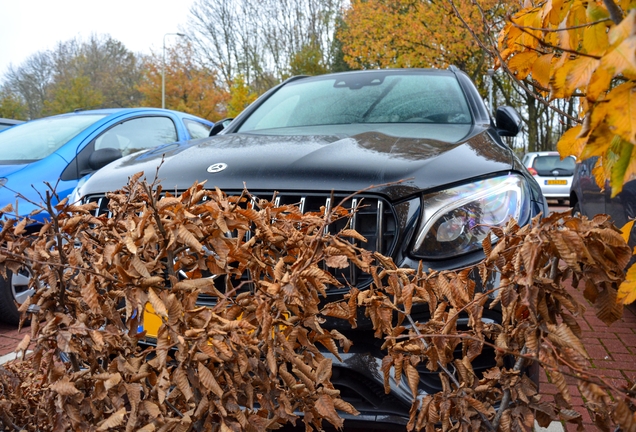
(559, 77)
(570, 143)
(621, 110)
(595, 40)
(522, 63)
(627, 290)
(530, 38)
(579, 74)
(625, 29)
(596, 13)
(556, 12)
(626, 230)
(599, 82)
(599, 142)
(541, 70)
(622, 59)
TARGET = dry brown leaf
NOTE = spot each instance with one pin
(208, 380)
(113, 421)
(326, 408)
(157, 304)
(64, 387)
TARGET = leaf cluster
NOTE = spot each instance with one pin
(574, 48)
(240, 287)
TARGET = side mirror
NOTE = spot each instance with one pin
(102, 157)
(220, 125)
(508, 121)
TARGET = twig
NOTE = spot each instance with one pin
(505, 399)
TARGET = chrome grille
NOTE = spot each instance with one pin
(374, 219)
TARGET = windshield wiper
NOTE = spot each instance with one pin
(379, 99)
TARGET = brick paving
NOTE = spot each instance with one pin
(612, 351)
(10, 338)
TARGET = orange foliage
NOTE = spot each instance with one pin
(407, 33)
(189, 87)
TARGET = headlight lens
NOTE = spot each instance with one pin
(455, 221)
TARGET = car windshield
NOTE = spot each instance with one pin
(363, 98)
(37, 139)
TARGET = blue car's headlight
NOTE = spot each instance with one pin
(455, 221)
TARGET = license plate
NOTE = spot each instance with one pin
(556, 182)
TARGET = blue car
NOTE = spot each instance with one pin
(60, 150)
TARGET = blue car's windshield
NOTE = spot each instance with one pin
(374, 97)
(37, 139)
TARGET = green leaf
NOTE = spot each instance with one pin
(620, 166)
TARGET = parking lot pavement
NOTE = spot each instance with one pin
(10, 338)
(612, 350)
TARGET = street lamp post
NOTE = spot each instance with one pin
(163, 68)
(491, 86)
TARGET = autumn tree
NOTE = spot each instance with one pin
(189, 86)
(241, 95)
(407, 33)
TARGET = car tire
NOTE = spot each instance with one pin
(576, 209)
(13, 288)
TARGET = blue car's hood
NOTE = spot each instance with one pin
(7, 170)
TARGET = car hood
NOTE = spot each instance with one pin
(312, 163)
(7, 170)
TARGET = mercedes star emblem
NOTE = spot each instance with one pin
(217, 167)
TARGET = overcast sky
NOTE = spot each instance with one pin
(31, 26)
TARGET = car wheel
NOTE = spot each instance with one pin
(576, 209)
(15, 288)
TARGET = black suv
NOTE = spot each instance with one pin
(588, 199)
(425, 136)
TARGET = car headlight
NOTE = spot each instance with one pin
(455, 221)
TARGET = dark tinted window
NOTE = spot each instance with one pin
(544, 165)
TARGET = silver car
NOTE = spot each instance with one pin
(553, 174)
